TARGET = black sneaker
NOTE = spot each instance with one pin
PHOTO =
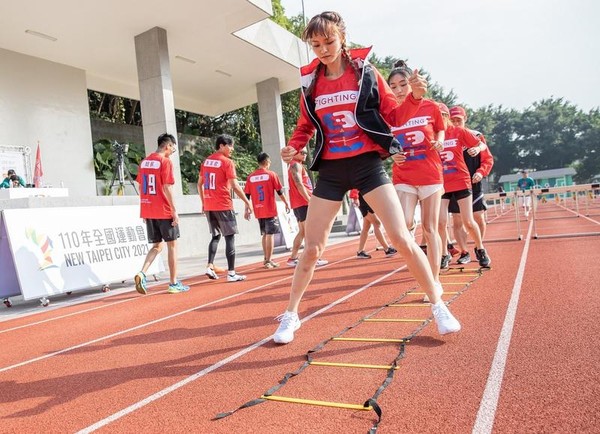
(482, 257)
(445, 262)
(390, 252)
(465, 258)
(363, 255)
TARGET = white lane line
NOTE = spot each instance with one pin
(156, 321)
(221, 363)
(489, 402)
(121, 291)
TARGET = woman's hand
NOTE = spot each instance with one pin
(287, 154)
(418, 83)
(437, 145)
(473, 152)
(399, 158)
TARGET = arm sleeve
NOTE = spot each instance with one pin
(469, 139)
(487, 162)
(304, 129)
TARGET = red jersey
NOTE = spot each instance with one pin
(296, 199)
(423, 165)
(261, 185)
(335, 102)
(456, 173)
(156, 171)
(216, 171)
(335, 105)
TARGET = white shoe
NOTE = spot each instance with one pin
(321, 262)
(446, 323)
(235, 277)
(289, 323)
(438, 289)
(211, 274)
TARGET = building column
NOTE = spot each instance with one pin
(156, 92)
(272, 133)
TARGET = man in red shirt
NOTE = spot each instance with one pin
(217, 179)
(300, 192)
(261, 186)
(157, 208)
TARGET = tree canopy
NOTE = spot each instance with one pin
(549, 134)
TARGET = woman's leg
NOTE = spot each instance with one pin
(376, 223)
(297, 241)
(383, 201)
(466, 214)
(430, 213)
(364, 233)
(320, 217)
(443, 226)
(408, 201)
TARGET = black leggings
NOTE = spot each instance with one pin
(229, 250)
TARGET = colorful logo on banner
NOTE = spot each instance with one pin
(45, 245)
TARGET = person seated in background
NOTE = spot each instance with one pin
(12, 180)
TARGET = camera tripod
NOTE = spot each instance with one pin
(121, 170)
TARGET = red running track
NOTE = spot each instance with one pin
(525, 360)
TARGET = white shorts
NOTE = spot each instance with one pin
(525, 201)
(421, 191)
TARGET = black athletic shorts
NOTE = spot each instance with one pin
(363, 206)
(269, 226)
(364, 172)
(300, 213)
(161, 230)
(457, 195)
(478, 201)
(222, 222)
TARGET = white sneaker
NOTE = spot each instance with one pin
(288, 324)
(438, 289)
(321, 262)
(235, 277)
(446, 323)
(211, 274)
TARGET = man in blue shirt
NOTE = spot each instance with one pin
(524, 184)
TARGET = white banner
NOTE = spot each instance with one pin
(9, 285)
(355, 220)
(288, 225)
(57, 250)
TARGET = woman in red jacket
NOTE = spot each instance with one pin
(349, 104)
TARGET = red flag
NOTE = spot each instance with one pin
(38, 172)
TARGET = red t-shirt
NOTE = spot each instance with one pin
(261, 185)
(296, 199)
(423, 165)
(216, 171)
(335, 103)
(156, 171)
(456, 173)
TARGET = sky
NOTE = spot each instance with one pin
(501, 52)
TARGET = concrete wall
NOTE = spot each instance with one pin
(46, 101)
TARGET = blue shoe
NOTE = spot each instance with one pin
(175, 288)
(140, 283)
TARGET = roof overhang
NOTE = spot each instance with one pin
(218, 50)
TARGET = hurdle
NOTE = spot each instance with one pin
(566, 199)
